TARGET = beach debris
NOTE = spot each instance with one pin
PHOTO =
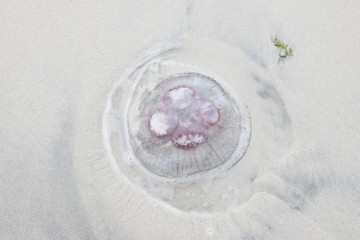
(285, 50)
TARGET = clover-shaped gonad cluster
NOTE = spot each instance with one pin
(183, 117)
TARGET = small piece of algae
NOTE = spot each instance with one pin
(285, 50)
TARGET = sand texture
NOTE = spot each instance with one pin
(67, 173)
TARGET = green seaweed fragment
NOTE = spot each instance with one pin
(285, 50)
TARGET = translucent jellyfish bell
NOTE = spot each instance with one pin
(186, 127)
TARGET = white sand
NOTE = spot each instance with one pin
(299, 178)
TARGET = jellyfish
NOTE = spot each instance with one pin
(187, 127)
(185, 119)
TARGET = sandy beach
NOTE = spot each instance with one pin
(67, 65)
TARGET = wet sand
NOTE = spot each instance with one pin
(298, 178)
